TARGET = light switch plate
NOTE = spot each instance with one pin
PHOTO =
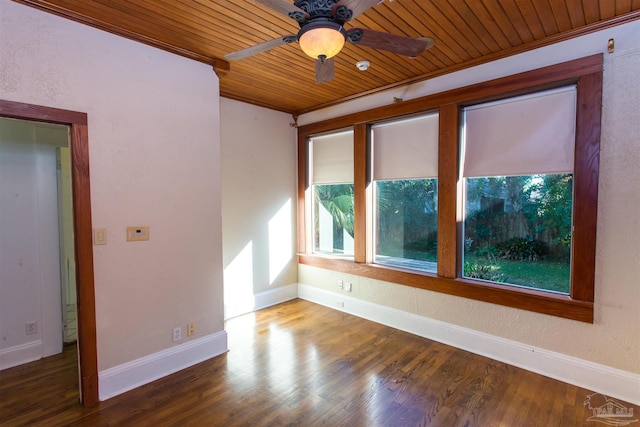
(100, 236)
(137, 234)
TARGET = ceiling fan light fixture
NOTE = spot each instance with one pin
(322, 40)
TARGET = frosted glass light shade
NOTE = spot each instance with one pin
(321, 42)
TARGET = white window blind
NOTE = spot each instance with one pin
(406, 149)
(532, 134)
(332, 158)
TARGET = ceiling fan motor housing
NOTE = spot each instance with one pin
(321, 10)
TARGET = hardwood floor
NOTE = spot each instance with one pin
(302, 364)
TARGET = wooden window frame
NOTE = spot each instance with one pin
(586, 74)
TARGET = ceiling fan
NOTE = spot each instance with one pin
(322, 34)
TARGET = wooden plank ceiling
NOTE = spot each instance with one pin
(466, 33)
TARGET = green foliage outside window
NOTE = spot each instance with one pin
(518, 230)
(407, 219)
(337, 201)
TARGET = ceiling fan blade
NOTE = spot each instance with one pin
(402, 45)
(261, 47)
(358, 6)
(325, 70)
(285, 8)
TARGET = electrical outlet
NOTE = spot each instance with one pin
(177, 334)
(191, 329)
(31, 328)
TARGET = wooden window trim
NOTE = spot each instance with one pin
(360, 200)
(586, 74)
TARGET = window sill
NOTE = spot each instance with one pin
(511, 296)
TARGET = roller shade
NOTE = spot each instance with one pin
(532, 134)
(406, 149)
(332, 158)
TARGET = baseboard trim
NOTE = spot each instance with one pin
(20, 354)
(264, 299)
(612, 382)
(125, 377)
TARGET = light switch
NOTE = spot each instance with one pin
(137, 234)
(100, 236)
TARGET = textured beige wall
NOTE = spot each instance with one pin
(258, 201)
(154, 149)
(614, 337)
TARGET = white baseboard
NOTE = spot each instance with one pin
(125, 377)
(612, 382)
(263, 300)
(20, 354)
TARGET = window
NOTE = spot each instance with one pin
(405, 171)
(332, 187)
(500, 207)
(518, 190)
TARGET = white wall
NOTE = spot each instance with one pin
(154, 149)
(258, 206)
(613, 340)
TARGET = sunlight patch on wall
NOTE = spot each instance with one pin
(238, 284)
(280, 241)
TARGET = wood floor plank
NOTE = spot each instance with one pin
(302, 364)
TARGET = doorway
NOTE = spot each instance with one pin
(35, 210)
(82, 240)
